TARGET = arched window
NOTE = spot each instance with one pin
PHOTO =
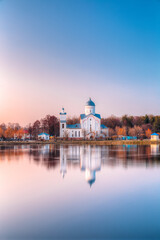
(75, 133)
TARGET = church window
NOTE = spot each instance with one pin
(79, 133)
(63, 125)
(75, 133)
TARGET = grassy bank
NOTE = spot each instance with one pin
(80, 142)
(111, 142)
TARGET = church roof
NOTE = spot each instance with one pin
(74, 126)
(82, 116)
(43, 134)
(103, 126)
(154, 134)
(90, 103)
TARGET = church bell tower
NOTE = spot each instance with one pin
(63, 116)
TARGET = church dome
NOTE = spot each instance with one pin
(90, 103)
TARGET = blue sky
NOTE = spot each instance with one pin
(59, 53)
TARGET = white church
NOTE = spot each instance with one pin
(90, 126)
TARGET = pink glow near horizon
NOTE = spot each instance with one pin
(43, 69)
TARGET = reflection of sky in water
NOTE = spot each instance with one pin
(45, 192)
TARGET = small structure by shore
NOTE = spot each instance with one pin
(43, 136)
(154, 137)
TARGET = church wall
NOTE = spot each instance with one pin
(91, 124)
(74, 133)
(63, 117)
(105, 131)
(89, 110)
(62, 128)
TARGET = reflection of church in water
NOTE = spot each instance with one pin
(89, 158)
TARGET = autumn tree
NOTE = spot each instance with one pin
(127, 121)
(36, 128)
(3, 126)
(111, 132)
(146, 126)
(50, 124)
(121, 131)
(111, 122)
(138, 131)
(9, 133)
(137, 121)
(20, 133)
(156, 124)
(148, 133)
(132, 132)
(73, 120)
(1, 132)
(29, 128)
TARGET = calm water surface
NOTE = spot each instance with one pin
(80, 192)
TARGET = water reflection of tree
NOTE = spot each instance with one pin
(47, 155)
(132, 155)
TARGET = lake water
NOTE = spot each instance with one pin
(79, 192)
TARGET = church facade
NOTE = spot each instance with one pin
(90, 126)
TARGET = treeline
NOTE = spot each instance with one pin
(139, 126)
(10, 130)
(48, 124)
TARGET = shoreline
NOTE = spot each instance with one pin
(81, 142)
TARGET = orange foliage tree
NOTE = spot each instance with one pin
(20, 132)
(9, 133)
(148, 133)
(1, 132)
(121, 131)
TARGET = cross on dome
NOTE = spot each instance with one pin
(90, 103)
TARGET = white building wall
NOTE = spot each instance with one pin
(74, 133)
(154, 137)
(43, 136)
(89, 110)
(63, 117)
(91, 124)
(105, 131)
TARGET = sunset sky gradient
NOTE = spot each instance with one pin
(59, 53)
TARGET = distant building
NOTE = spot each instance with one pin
(89, 127)
(43, 136)
(23, 136)
(154, 136)
(127, 138)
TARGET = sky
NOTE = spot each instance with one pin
(58, 53)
